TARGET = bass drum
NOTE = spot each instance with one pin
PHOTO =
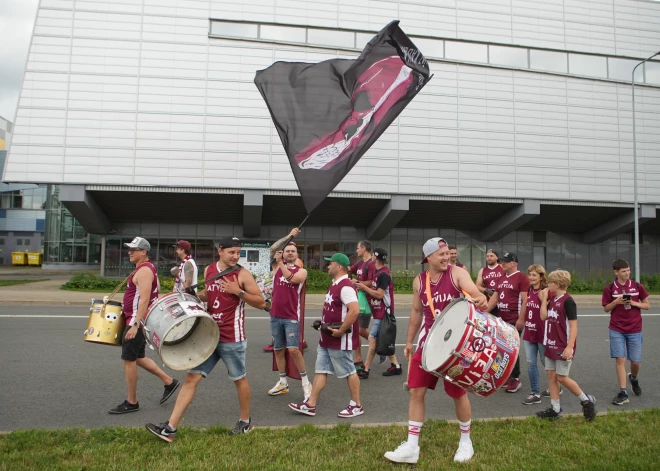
(180, 330)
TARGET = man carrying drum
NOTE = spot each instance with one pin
(141, 290)
(226, 298)
(433, 290)
(186, 273)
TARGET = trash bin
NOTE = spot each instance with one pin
(19, 258)
(35, 259)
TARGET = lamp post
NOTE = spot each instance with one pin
(636, 209)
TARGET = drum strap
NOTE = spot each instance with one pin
(119, 287)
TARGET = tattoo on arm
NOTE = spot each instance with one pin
(188, 271)
(279, 245)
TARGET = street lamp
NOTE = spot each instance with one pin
(636, 209)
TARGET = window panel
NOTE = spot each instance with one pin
(621, 69)
(652, 70)
(325, 37)
(592, 66)
(511, 56)
(238, 30)
(550, 61)
(468, 52)
(283, 33)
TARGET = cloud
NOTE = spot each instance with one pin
(16, 23)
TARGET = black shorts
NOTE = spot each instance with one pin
(364, 320)
(133, 349)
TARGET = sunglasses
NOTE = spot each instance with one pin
(135, 250)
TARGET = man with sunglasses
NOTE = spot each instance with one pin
(141, 289)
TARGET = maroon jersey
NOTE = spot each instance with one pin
(132, 294)
(508, 289)
(561, 309)
(227, 309)
(534, 326)
(491, 276)
(286, 296)
(334, 310)
(382, 279)
(625, 320)
(362, 270)
(443, 292)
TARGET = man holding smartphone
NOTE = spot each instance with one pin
(624, 299)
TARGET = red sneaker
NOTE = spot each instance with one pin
(268, 348)
(514, 385)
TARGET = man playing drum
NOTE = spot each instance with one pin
(226, 298)
(445, 283)
(187, 271)
(141, 290)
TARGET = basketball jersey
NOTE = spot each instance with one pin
(509, 288)
(534, 326)
(132, 294)
(334, 310)
(181, 277)
(227, 310)
(362, 270)
(379, 306)
(491, 276)
(286, 296)
(443, 292)
(557, 329)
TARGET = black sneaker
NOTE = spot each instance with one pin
(124, 408)
(637, 391)
(589, 408)
(620, 399)
(549, 413)
(546, 393)
(363, 374)
(163, 431)
(393, 370)
(169, 390)
(532, 399)
(242, 427)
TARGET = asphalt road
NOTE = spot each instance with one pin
(50, 378)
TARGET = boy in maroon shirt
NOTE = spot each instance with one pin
(624, 299)
(559, 311)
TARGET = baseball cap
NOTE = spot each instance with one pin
(381, 254)
(139, 243)
(431, 246)
(183, 244)
(510, 257)
(339, 258)
(229, 242)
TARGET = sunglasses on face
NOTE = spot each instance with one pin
(135, 250)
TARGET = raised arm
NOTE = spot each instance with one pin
(279, 244)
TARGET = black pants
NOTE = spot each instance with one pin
(516, 369)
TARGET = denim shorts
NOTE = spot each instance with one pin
(233, 356)
(285, 332)
(626, 346)
(562, 367)
(334, 362)
(375, 328)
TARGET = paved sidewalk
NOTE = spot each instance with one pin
(48, 293)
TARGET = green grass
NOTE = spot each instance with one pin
(17, 282)
(617, 441)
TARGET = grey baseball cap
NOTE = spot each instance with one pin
(139, 243)
(432, 246)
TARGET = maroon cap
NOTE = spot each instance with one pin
(183, 244)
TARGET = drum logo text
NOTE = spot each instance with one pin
(500, 364)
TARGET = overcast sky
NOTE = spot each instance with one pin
(16, 21)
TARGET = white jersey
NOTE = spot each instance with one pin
(178, 282)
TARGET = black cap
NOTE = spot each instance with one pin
(510, 257)
(381, 254)
(229, 242)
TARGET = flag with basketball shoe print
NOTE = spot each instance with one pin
(330, 113)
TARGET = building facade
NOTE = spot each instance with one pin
(146, 115)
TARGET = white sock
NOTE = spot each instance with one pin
(304, 378)
(414, 430)
(556, 406)
(352, 403)
(465, 430)
(583, 397)
(283, 379)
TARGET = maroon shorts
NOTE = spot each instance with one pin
(420, 378)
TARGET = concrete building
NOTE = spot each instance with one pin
(144, 112)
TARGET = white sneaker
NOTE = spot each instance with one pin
(464, 452)
(307, 391)
(279, 388)
(406, 453)
(351, 411)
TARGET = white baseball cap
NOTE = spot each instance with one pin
(432, 246)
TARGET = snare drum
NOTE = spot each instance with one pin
(471, 349)
(180, 330)
(106, 323)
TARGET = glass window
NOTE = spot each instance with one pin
(112, 256)
(592, 66)
(398, 257)
(325, 37)
(283, 33)
(238, 30)
(468, 52)
(5, 201)
(621, 69)
(511, 56)
(19, 242)
(652, 69)
(539, 256)
(17, 202)
(430, 47)
(329, 249)
(546, 60)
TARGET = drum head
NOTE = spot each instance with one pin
(445, 335)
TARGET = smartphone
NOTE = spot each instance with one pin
(627, 297)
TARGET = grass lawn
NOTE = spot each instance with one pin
(17, 282)
(617, 441)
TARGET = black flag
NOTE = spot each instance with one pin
(330, 113)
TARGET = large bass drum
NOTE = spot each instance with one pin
(178, 327)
